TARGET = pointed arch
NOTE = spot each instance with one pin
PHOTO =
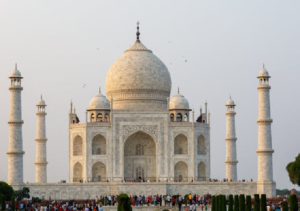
(99, 172)
(201, 171)
(99, 145)
(140, 157)
(77, 146)
(180, 145)
(181, 171)
(99, 117)
(201, 145)
(77, 172)
(178, 117)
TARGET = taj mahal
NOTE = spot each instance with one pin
(138, 139)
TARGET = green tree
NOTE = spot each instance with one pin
(124, 203)
(248, 203)
(242, 202)
(236, 203)
(284, 206)
(293, 169)
(224, 203)
(213, 203)
(230, 202)
(23, 193)
(263, 202)
(221, 203)
(256, 203)
(1, 201)
(12, 205)
(293, 200)
(6, 190)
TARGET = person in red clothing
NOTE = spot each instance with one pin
(173, 201)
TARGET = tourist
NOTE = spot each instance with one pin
(169, 199)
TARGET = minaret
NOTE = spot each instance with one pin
(41, 151)
(265, 164)
(231, 159)
(15, 142)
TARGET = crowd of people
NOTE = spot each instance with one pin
(189, 202)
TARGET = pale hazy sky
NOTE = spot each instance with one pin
(61, 45)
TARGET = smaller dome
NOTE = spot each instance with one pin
(99, 101)
(15, 73)
(41, 102)
(263, 73)
(230, 102)
(178, 101)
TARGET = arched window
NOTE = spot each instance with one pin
(172, 117)
(180, 145)
(99, 145)
(77, 146)
(92, 117)
(201, 145)
(139, 149)
(185, 117)
(179, 117)
(99, 117)
(106, 118)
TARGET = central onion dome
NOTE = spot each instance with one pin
(138, 80)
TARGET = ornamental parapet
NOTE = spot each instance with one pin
(263, 87)
(41, 163)
(15, 153)
(16, 122)
(15, 88)
(41, 113)
(231, 139)
(230, 113)
(264, 121)
(231, 161)
(41, 139)
(265, 151)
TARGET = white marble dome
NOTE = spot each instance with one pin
(41, 102)
(15, 73)
(263, 73)
(178, 101)
(138, 80)
(230, 102)
(99, 101)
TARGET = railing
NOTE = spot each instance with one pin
(201, 179)
(144, 179)
(102, 179)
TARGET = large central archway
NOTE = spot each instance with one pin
(140, 157)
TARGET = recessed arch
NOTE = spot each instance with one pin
(140, 157)
(77, 172)
(201, 171)
(181, 171)
(178, 117)
(99, 117)
(180, 145)
(77, 146)
(99, 172)
(201, 145)
(99, 145)
(92, 117)
(106, 117)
